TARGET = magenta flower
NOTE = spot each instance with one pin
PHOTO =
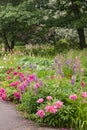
(40, 100)
(31, 78)
(49, 98)
(40, 113)
(84, 94)
(15, 73)
(2, 90)
(50, 109)
(37, 85)
(17, 95)
(73, 97)
(14, 84)
(22, 88)
(59, 104)
(4, 96)
(21, 74)
(82, 84)
(3, 93)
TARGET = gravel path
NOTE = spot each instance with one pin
(10, 119)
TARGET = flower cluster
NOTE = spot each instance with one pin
(17, 95)
(3, 94)
(49, 108)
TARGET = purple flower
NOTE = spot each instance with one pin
(56, 60)
(74, 66)
(31, 66)
(53, 67)
(73, 79)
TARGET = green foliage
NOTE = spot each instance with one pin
(62, 45)
(73, 113)
(32, 21)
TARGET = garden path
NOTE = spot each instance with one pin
(10, 119)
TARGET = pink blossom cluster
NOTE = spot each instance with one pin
(40, 100)
(84, 94)
(40, 113)
(17, 95)
(8, 77)
(14, 84)
(58, 104)
(9, 71)
(15, 73)
(73, 97)
(3, 93)
(82, 84)
(31, 77)
(49, 108)
(49, 98)
(23, 82)
(37, 85)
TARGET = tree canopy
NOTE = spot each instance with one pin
(21, 20)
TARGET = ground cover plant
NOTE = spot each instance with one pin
(52, 92)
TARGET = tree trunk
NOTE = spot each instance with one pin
(82, 40)
(12, 46)
(80, 30)
(7, 47)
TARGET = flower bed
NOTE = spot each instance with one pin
(55, 95)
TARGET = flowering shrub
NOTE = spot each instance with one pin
(55, 94)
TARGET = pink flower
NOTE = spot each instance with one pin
(40, 100)
(2, 90)
(52, 77)
(37, 85)
(8, 72)
(8, 77)
(50, 109)
(14, 84)
(4, 97)
(59, 104)
(84, 94)
(3, 93)
(32, 77)
(49, 98)
(15, 73)
(73, 97)
(40, 113)
(83, 84)
(21, 74)
(17, 95)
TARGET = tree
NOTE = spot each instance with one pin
(69, 14)
(16, 21)
(20, 19)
